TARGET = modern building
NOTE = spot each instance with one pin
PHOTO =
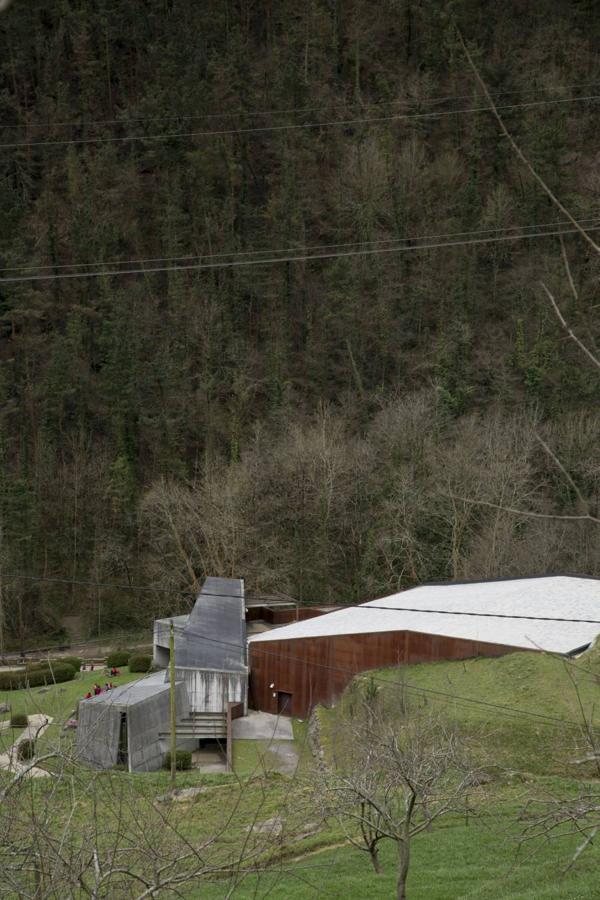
(211, 655)
(308, 662)
(131, 723)
(124, 726)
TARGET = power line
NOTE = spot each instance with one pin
(296, 110)
(81, 582)
(482, 615)
(298, 249)
(504, 709)
(296, 258)
(343, 123)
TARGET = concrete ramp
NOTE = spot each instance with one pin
(261, 726)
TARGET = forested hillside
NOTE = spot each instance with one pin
(317, 426)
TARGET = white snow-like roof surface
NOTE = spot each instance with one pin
(557, 596)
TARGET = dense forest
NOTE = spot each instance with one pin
(320, 427)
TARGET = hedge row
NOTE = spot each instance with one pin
(118, 658)
(36, 664)
(75, 661)
(36, 676)
(140, 663)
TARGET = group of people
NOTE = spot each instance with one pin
(97, 688)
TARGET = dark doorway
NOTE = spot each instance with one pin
(284, 703)
(123, 753)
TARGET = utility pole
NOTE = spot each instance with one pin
(172, 699)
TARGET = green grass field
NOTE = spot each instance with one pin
(478, 862)
(59, 700)
(55, 700)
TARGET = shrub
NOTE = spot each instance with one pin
(26, 749)
(183, 760)
(18, 720)
(34, 664)
(36, 676)
(53, 674)
(74, 661)
(118, 658)
(9, 681)
(140, 663)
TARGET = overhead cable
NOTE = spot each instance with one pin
(366, 606)
(51, 276)
(587, 223)
(296, 126)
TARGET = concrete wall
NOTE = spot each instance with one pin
(161, 638)
(161, 656)
(209, 690)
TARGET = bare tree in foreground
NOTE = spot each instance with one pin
(392, 777)
(80, 833)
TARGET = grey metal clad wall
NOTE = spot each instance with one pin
(215, 634)
(146, 704)
(146, 719)
(98, 734)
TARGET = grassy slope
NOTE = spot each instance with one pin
(60, 699)
(528, 682)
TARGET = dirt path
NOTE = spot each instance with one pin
(314, 852)
(37, 724)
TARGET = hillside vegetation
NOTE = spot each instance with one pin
(311, 425)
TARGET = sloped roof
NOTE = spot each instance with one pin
(133, 692)
(214, 636)
(490, 611)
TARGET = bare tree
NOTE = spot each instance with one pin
(392, 777)
(67, 830)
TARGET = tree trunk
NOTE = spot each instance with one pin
(374, 855)
(403, 863)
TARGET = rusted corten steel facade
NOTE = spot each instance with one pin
(317, 669)
(285, 616)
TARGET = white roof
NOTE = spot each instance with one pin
(447, 605)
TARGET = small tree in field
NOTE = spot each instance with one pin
(392, 777)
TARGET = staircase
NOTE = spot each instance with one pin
(200, 726)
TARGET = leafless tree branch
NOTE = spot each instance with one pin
(530, 168)
(594, 359)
